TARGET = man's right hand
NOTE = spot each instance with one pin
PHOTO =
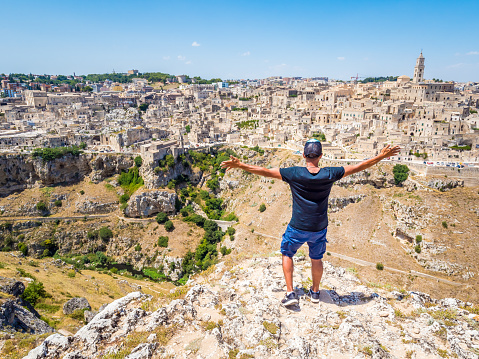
(389, 151)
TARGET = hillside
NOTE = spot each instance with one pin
(424, 233)
(233, 312)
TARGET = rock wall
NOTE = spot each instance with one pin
(145, 204)
(18, 172)
(154, 179)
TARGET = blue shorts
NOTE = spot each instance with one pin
(294, 238)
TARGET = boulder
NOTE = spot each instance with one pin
(75, 304)
(13, 316)
(145, 204)
(11, 286)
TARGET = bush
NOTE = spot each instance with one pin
(170, 160)
(41, 206)
(71, 274)
(34, 292)
(105, 234)
(161, 217)
(230, 231)
(58, 203)
(417, 248)
(225, 251)
(262, 207)
(130, 181)
(124, 198)
(157, 169)
(401, 173)
(444, 224)
(138, 161)
(418, 238)
(50, 154)
(379, 266)
(82, 192)
(22, 247)
(169, 226)
(163, 241)
(138, 247)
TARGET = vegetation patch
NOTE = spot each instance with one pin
(49, 154)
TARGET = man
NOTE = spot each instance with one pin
(310, 187)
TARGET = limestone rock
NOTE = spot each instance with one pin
(77, 303)
(145, 204)
(13, 316)
(11, 286)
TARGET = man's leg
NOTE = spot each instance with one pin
(316, 272)
(288, 268)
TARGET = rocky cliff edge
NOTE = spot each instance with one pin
(235, 313)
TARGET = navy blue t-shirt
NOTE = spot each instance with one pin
(310, 195)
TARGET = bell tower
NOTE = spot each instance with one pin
(419, 70)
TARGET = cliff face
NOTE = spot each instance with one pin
(235, 312)
(18, 172)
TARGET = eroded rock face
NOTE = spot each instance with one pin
(145, 204)
(11, 286)
(444, 185)
(18, 172)
(107, 165)
(335, 204)
(236, 313)
(77, 303)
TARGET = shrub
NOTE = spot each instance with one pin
(401, 173)
(82, 192)
(138, 247)
(22, 247)
(417, 248)
(71, 274)
(161, 217)
(418, 238)
(225, 251)
(169, 226)
(230, 231)
(379, 266)
(58, 203)
(157, 169)
(124, 198)
(138, 161)
(170, 160)
(262, 207)
(105, 234)
(163, 241)
(444, 224)
(130, 181)
(34, 292)
(41, 206)
(50, 154)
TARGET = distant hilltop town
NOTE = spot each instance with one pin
(153, 114)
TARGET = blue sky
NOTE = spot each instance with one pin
(242, 39)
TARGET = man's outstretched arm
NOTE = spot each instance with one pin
(387, 151)
(261, 171)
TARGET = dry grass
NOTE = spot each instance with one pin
(96, 287)
(20, 345)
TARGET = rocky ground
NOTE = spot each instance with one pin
(234, 312)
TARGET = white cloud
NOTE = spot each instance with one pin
(473, 53)
(341, 58)
(195, 44)
(181, 58)
(166, 57)
(247, 53)
(188, 62)
(460, 64)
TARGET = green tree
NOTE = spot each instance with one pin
(163, 241)
(41, 206)
(170, 160)
(143, 107)
(34, 292)
(138, 161)
(83, 145)
(22, 247)
(187, 128)
(105, 234)
(401, 173)
(169, 226)
(161, 217)
(87, 89)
